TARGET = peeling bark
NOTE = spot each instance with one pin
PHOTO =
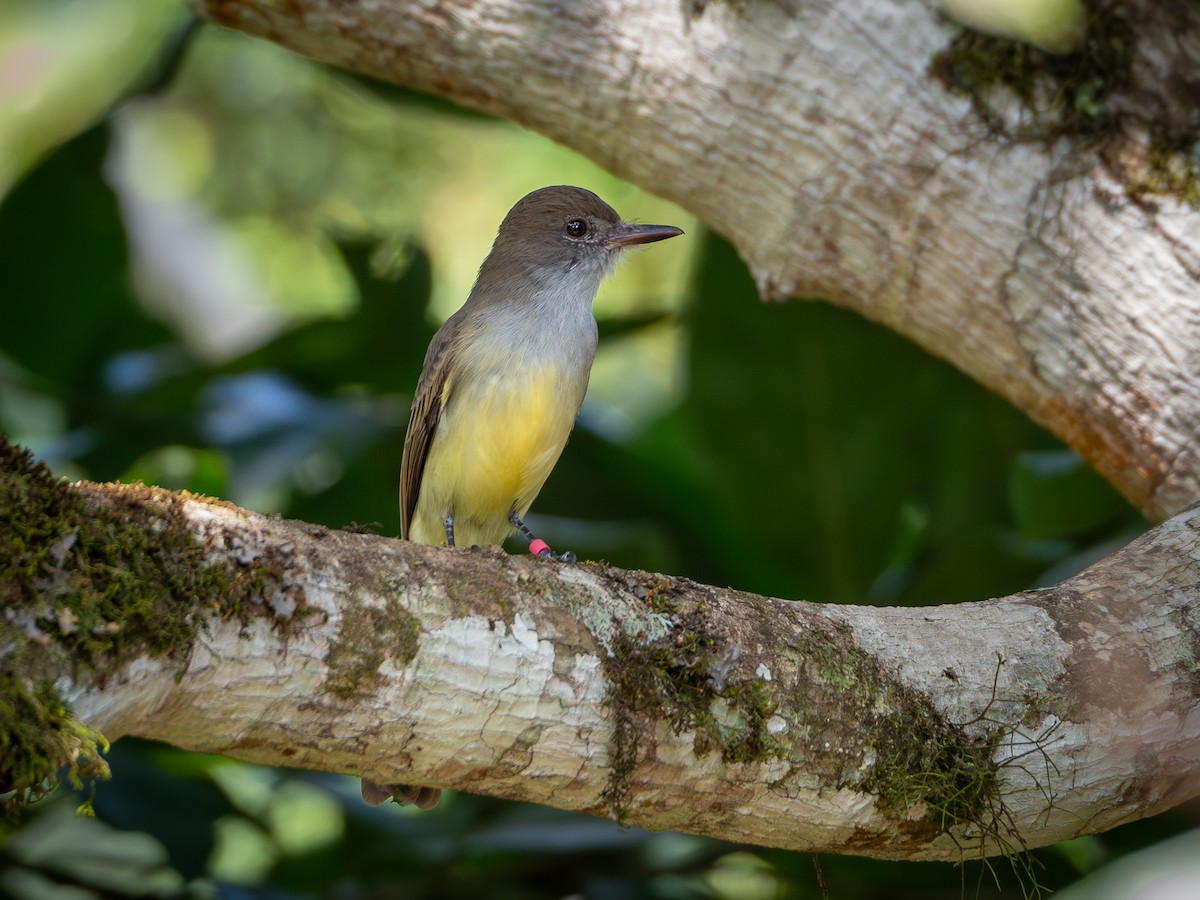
(894, 733)
(1056, 267)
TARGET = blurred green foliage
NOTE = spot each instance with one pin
(227, 283)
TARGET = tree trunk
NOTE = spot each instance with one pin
(1041, 234)
(896, 733)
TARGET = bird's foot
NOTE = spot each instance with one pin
(538, 547)
(419, 796)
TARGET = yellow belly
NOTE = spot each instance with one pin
(494, 448)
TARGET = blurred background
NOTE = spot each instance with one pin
(220, 265)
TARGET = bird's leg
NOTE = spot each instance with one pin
(537, 546)
(448, 524)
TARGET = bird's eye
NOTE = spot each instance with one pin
(577, 228)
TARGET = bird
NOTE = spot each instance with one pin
(503, 381)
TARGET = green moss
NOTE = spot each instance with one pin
(931, 774)
(369, 635)
(748, 740)
(87, 585)
(853, 725)
(1172, 166)
(1059, 94)
(928, 774)
(1074, 95)
(39, 736)
(839, 674)
(678, 680)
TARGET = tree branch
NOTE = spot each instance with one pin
(1046, 249)
(899, 733)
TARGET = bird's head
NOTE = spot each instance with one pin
(558, 230)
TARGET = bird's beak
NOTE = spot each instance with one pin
(626, 235)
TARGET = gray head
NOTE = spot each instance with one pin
(563, 231)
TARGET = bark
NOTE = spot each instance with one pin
(896, 733)
(1050, 252)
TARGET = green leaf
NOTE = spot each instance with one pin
(1055, 494)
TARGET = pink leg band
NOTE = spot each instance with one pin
(538, 547)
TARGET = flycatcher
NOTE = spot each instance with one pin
(504, 378)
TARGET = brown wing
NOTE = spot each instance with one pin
(432, 391)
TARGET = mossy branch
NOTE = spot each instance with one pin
(901, 733)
